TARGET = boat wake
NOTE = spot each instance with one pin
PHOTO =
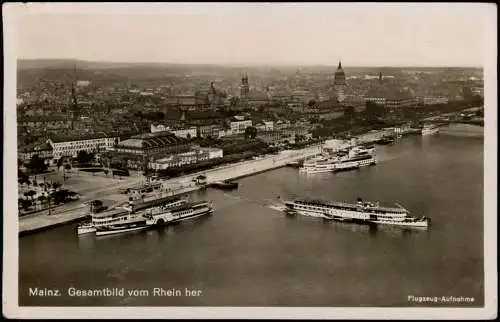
(267, 203)
(277, 207)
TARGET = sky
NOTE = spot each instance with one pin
(365, 34)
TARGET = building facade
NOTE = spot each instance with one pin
(45, 123)
(186, 133)
(70, 146)
(153, 144)
(264, 126)
(239, 126)
(396, 103)
(190, 157)
(431, 100)
(205, 131)
(44, 151)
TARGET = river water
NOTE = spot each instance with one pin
(248, 254)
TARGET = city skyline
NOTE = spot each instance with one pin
(286, 35)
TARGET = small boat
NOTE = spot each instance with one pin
(294, 164)
(385, 141)
(429, 129)
(200, 180)
(227, 185)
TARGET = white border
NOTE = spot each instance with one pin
(11, 241)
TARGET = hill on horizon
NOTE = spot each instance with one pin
(83, 64)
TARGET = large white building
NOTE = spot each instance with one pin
(186, 133)
(430, 100)
(239, 126)
(265, 126)
(70, 146)
(83, 83)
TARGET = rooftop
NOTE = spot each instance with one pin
(43, 146)
(151, 140)
(79, 137)
(43, 119)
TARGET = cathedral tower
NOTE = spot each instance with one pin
(244, 88)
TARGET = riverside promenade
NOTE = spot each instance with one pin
(175, 186)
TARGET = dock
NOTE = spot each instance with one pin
(180, 185)
(41, 222)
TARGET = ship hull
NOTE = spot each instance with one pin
(87, 229)
(170, 216)
(120, 230)
(176, 220)
(204, 213)
(225, 185)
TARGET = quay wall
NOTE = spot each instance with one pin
(176, 186)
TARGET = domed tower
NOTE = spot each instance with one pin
(340, 83)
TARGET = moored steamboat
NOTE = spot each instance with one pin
(360, 212)
(355, 158)
(128, 218)
(161, 215)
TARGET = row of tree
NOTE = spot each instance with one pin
(54, 198)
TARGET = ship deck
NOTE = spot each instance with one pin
(154, 202)
(348, 206)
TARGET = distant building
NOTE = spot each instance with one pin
(282, 135)
(244, 88)
(238, 126)
(431, 100)
(186, 99)
(71, 145)
(189, 157)
(153, 143)
(83, 83)
(205, 131)
(44, 151)
(186, 133)
(400, 100)
(340, 83)
(296, 107)
(264, 126)
(159, 128)
(45, 123)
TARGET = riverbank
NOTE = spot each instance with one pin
(462, 130)
(184, 184)
(176, 186)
